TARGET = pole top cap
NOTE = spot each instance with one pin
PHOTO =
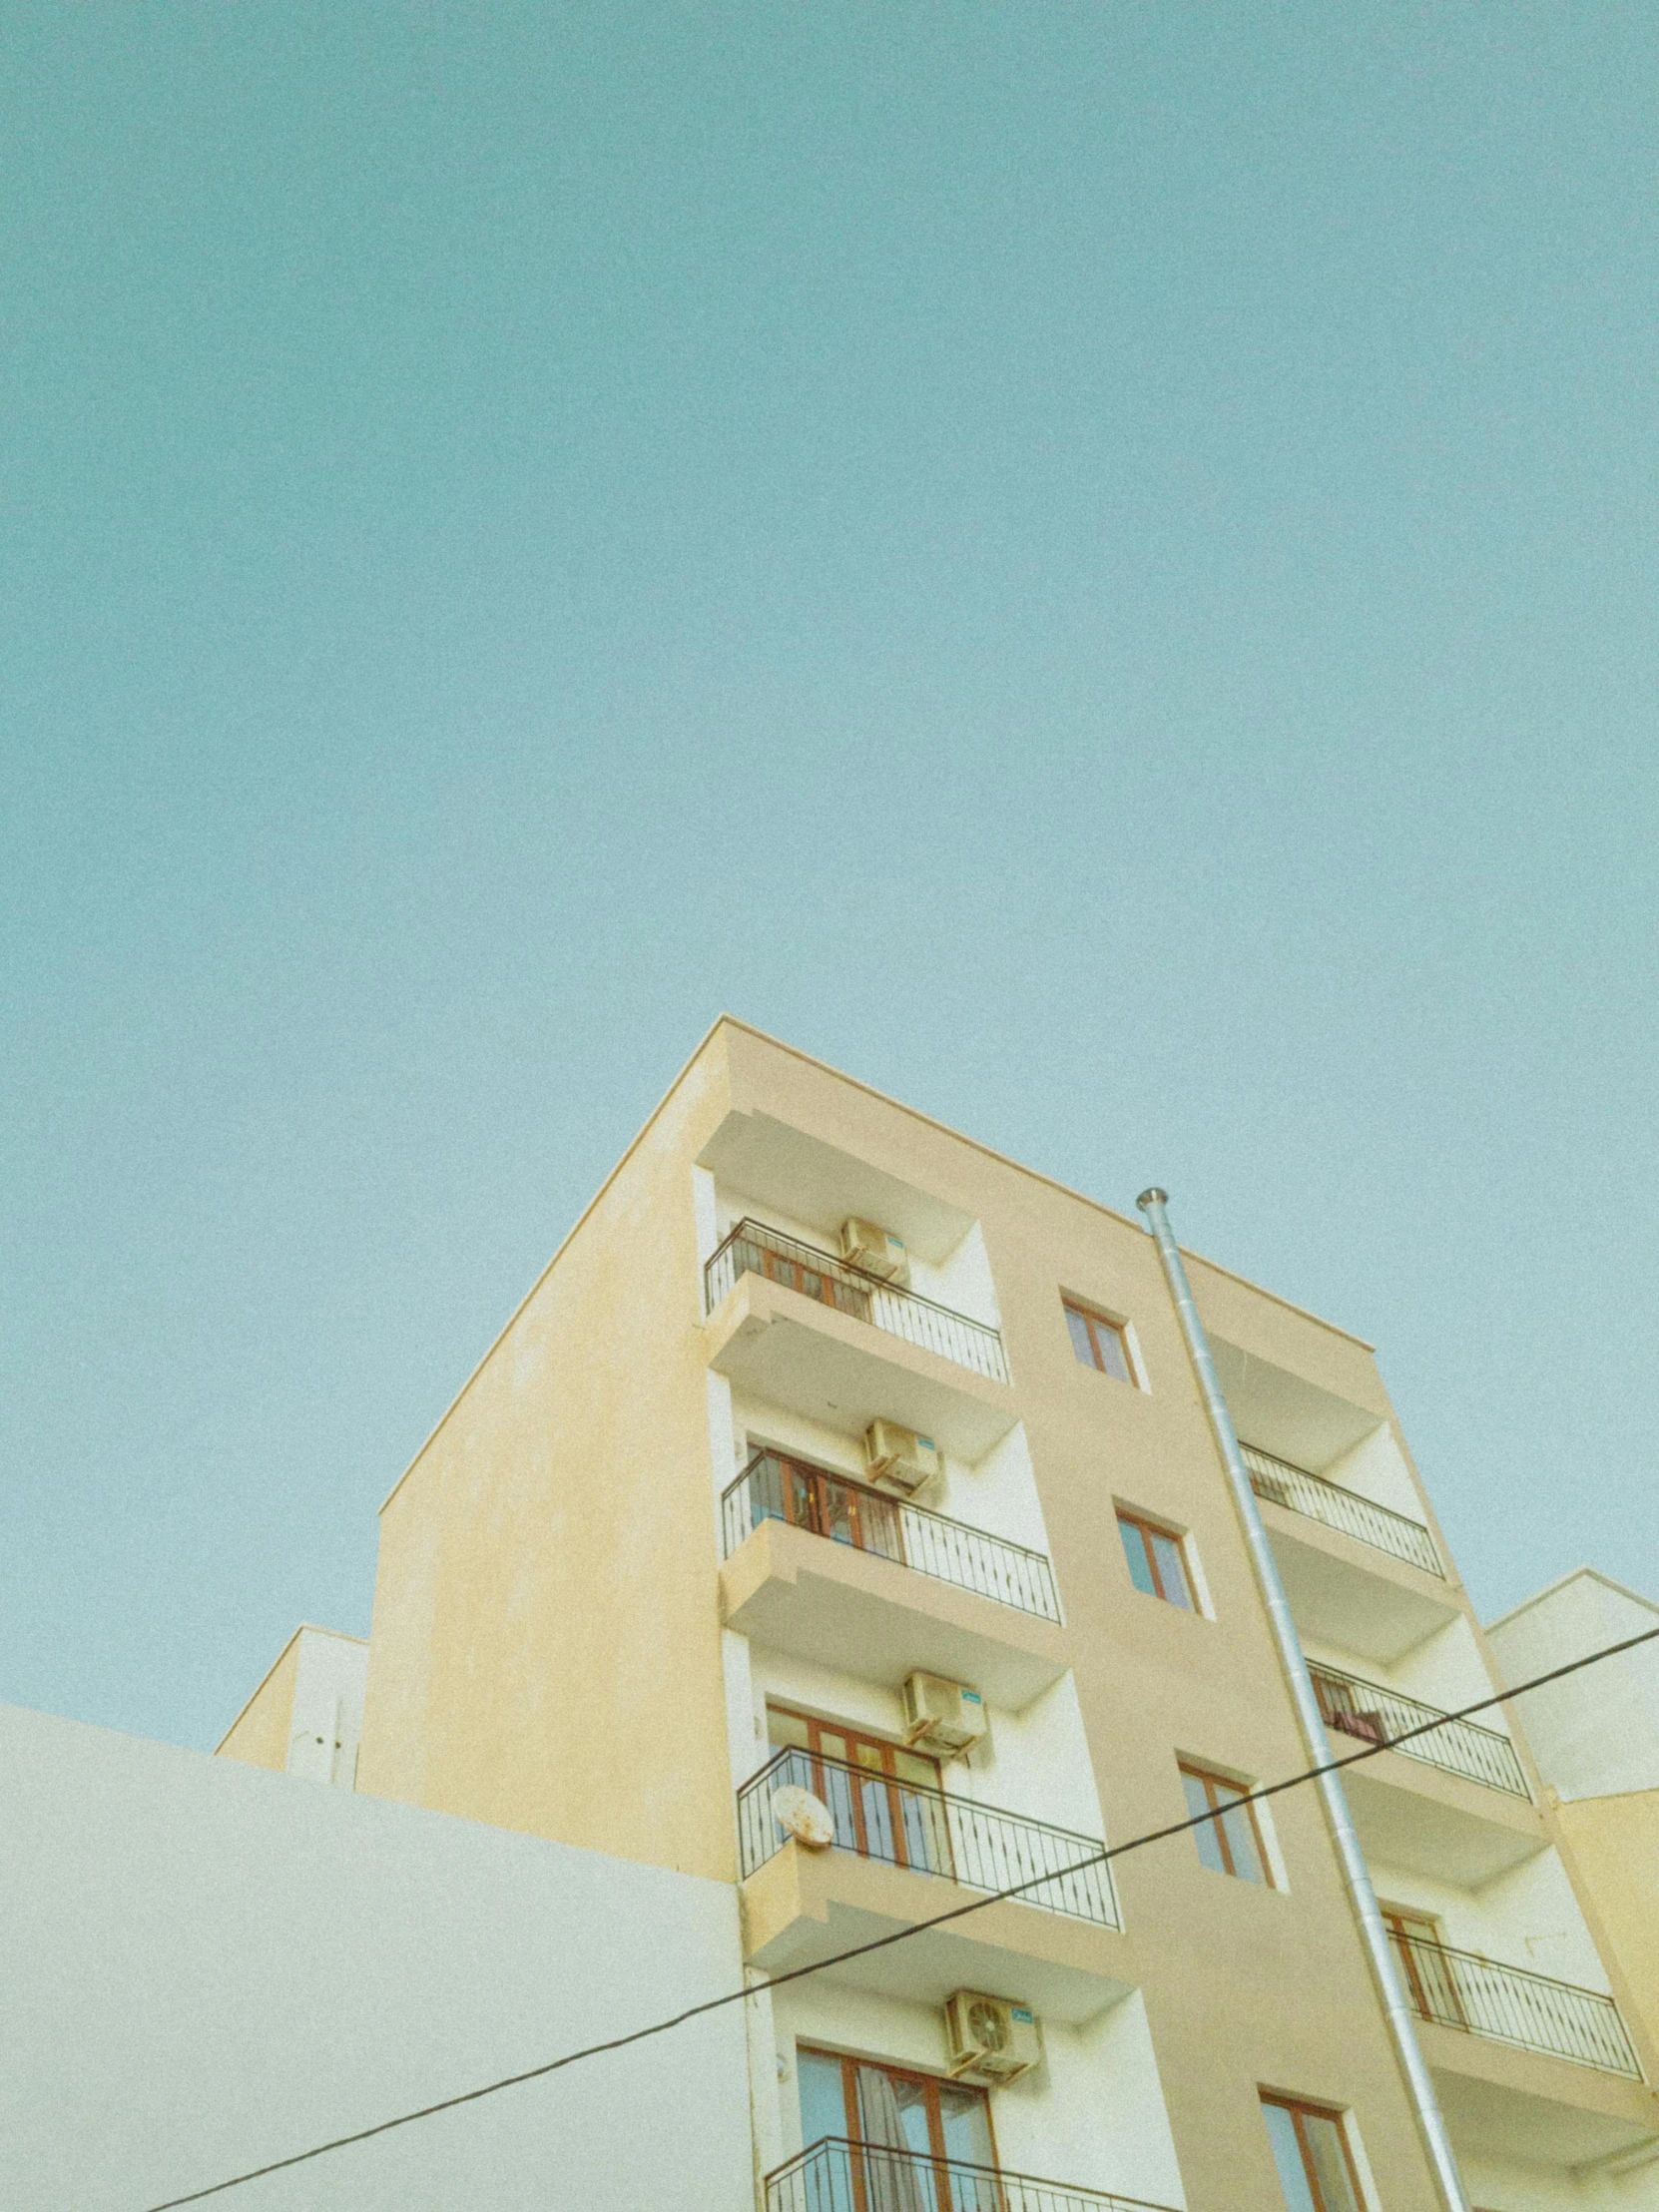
(1151, 1198)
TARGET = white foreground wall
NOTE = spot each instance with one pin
(206, 1966)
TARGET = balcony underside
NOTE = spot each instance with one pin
(1415, 1816)
(846, 1373)
(816, 1183)
(801, 1594)
(1344, 1593)
(804, 1906)
(1520, 2105)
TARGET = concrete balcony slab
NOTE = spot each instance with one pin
(803, 1905)
(1437, 1823)
(846, 1373)
(1348, 1594)
(1522, 2104)
(798, 1592)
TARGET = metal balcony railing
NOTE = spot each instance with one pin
(835, 2175)
(773, 1487)
(753, 1248)
(1379, 1715)
(1361, 1517)
(1508, 2004)
(928, 1831)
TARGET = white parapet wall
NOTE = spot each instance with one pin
(208, 1967)
(1596, 1734)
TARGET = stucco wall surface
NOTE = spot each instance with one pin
(1612, 1846)
(208, 1967)
(259, 1736)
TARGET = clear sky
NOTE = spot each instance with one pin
(1093, 565)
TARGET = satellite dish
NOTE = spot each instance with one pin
(805, 1817)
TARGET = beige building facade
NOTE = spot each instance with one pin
(838, 1521)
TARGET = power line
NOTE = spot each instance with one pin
(882, 1943)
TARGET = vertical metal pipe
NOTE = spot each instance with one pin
(1437, 2141)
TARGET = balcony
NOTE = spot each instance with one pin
(1357, 1574)
(1361, 1517)
(931, 1832)
(788, 1325)
(771, 1488)
(892, 1588)
(903, 1854)
(752, 1249)
(835, 2175)
(1377, 1716)
(1528, 2012)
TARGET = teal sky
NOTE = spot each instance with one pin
(1093, 565)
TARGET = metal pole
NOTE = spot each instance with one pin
(1352, 1859)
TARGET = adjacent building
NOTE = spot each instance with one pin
(1595, 1736)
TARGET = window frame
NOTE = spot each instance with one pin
(885, 1777)
(1211, 1780)
(1430, 1977)
(1093, 1320)
(1130, 1518)
(932, 2084)
(1301, 2109)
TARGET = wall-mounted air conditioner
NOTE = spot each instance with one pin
(866, 1245)
(900, 1458)
(991, 2038)
(944, 1717)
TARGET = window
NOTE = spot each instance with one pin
(886, 1802)
(1310, 2148)
(1156, 1565)
(827, 1504)
(1098, 1343)
(890, 2108)
(1428, 1968)
(1230, 1842)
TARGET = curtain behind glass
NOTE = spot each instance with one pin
(894, 2183)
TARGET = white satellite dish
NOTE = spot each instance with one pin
(805, 1817)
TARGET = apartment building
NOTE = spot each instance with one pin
(839, 1520)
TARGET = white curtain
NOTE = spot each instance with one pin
(894, 2183)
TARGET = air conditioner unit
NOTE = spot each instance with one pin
(991, 2038)
(944, 1716)
(900, 1459)
(866, 1245)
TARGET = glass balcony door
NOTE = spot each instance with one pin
(915, 2143)
(1428, 1973)
(793, 1270)
(888, 1803)
(846, 1514)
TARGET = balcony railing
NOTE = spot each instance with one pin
(1508, 2004)
(773, 1487)
(1379, 1715)
(904, 1824)
(752, 1249)
(1361, 1517)
(835, 2175)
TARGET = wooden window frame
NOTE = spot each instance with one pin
(895, 1783)
(1403, 1923)
(932, 2084)
(1211, 1781)
(1093, 1320)
(1150, 1527)
(1301, 2109)
(874, 1522)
